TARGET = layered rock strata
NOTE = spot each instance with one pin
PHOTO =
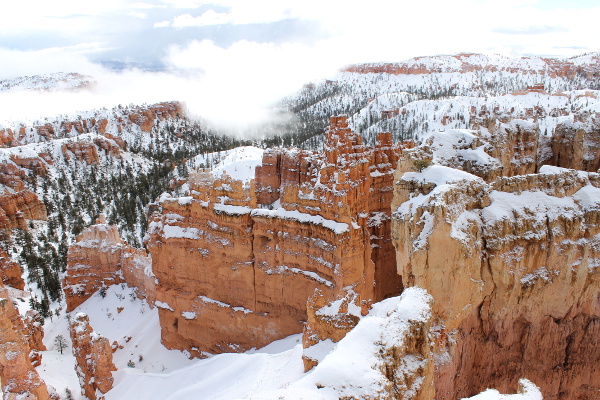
(17, 374)
(10, 272)
(306, 222)
(513, 268)
(93, 355)
(17, 207)
(100, 258)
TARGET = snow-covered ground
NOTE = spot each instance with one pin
(239, 163)
(273, 372)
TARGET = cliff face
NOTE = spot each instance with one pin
(93, 355)
(310, 222)
(512, 266)
(17, 207)
(18, 376)
(142, 116)
(466, 62)
(10, 272)
(100, 258)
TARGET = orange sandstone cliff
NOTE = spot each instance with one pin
(93, 354)
(17, 374)
(100, 258)
(512, 266)
(236, 262)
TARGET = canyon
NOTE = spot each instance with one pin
(434, 264)
(302, 249)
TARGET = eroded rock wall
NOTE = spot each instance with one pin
(93, 355)
(17, 373)
(236, 262)
(100, 258)
(10, 272)
(17, 207)
(513, 268)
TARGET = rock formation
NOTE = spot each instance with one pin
(10, 272)
(388, 355)
(142, 116)
(17, 374)
(34, 332)
(309, 222)
(93, 354)
(468, 62)
(17, 207)
(100, 258)
(512, 266)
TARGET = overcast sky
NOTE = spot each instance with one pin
(238, 45)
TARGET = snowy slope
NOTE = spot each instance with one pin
(239, 163)
(60, 81)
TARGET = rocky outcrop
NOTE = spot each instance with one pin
(34, 332)
(577, 145)
(92, 262)
(144, 117)
(103, 123)
(100, 258)
(12, 176)
(17, 374)
(388, 355)
(509, 148)
(34, 164)
(17, 207)
(327, 323)
(81, 151)
(93, 355)
(513, 268)
(310, 222)
(10, 272)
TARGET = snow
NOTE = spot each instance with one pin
(351, 370)
(231, 210)
(136, 328)
(533, 204)
(439, 175)
(189, 315)
(163, 305)
(172, 231)
(239, 163)
(528, 391)
(588, 197)
(312, 275)
(337, 227)
(348, 368)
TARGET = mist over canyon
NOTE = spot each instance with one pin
(425, 229)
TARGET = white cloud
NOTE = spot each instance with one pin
(235, 85)
(162, 24)
(137, 14)
(209, 17)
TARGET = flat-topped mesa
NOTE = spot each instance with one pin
(237, 262)
(100, 258)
